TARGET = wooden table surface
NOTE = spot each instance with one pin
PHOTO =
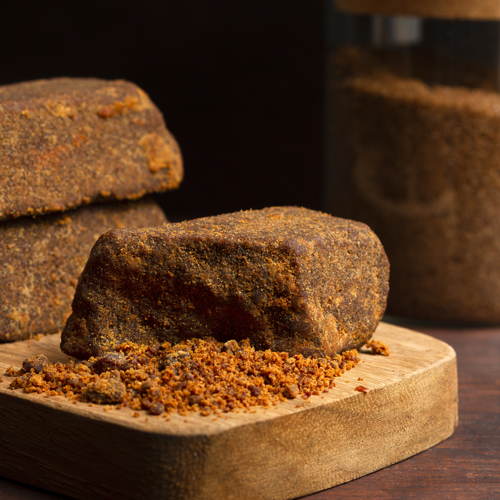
(466, 466)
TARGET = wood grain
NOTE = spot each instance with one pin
(281, 453)
(465, 466)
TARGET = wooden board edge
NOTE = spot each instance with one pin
(60, 403)
(328, 455)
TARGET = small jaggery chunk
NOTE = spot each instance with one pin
(67, 142)
(156, 409)
(291, 391)
(110, 361)
(378, 347)
(36, 363)
(41, 259)
(106, 391)
(287, 278)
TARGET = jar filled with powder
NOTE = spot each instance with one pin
(414, 147)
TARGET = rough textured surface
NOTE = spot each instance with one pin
(290, 279)
(41, 259)
(67, 142)
(419, 164)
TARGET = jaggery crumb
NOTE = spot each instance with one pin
(203, 376)
(378, 347)
(361, 388)
(35, 363)
(106, 390)
(291, 391)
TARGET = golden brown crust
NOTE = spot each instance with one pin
(288, 278)
(68, 142)
(41, 259)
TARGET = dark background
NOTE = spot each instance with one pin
(240, 83)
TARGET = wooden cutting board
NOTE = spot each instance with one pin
(281, 453)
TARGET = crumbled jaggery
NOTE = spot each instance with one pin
(287, 278)
(199, 375)
(378, 347)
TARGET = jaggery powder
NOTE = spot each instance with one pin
(199, 375)
(287, 278)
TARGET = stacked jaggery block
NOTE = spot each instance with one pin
(43, 257)
(287, 278)
(67, 143)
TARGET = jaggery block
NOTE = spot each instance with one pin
(68, 142)
(41, 259)
(287, 278)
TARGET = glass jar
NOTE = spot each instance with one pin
(414, 147)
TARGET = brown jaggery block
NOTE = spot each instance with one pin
(68, 142)
(287, 278)
(41, 259)
(419, 164)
